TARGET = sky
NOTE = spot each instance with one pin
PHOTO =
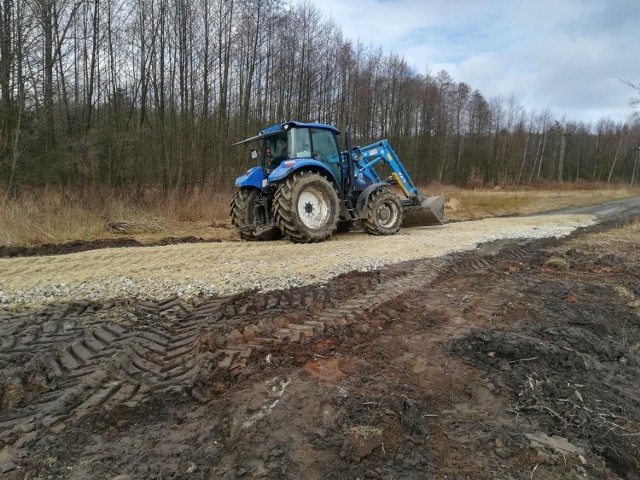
(563, 55)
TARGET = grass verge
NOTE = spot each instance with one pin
(49, 215)
(479, 203)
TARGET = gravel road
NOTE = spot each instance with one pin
(225, 268)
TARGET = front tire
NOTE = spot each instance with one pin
(384, 213)
(306, 208)
(242, 215)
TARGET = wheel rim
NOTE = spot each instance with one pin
(387, 214)
(313, 208)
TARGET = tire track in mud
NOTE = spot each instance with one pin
(66, 361)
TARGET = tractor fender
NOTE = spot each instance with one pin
(363, 199)
(287, 167)
(253, 177)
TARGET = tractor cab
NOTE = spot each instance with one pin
(299, 142)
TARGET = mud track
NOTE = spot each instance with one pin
(9, 251)
(107, 354)
(437, 368)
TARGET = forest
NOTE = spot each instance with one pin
(138, 93)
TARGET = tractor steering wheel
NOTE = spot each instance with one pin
(320, 156)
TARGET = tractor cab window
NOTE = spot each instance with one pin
(275, 150)
(325, 148)
(299, 143)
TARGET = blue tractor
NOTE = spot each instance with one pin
(306, 188)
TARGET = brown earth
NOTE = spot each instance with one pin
(46, 249)
(498, 363)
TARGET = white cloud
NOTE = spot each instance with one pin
(558, 54)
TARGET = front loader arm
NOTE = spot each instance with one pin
(381, 151)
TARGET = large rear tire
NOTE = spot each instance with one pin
(242, 214)
(306, 208)
(384, 213)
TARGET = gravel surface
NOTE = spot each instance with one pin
(189, 270)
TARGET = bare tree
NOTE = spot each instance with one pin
(140, 92)
(634, 102)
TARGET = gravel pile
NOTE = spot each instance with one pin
(204, 270)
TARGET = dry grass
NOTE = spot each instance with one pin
(628, 234)
(479, 203)
(365, 431)
(624, 292)
(47, 215)
(633, 227)
(11, 396)
(623, 239)
(557, 263)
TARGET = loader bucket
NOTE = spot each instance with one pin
(429, 211)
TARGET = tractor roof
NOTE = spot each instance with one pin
(284, 126)
(267, 132)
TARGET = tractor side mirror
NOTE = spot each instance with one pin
(253, 153)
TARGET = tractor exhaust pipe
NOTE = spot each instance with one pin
(424, 211)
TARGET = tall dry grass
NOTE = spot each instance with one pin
(49, 215)
(633, 227)
(463, 204)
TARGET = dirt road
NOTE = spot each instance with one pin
(224, 268)
(517, 359)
